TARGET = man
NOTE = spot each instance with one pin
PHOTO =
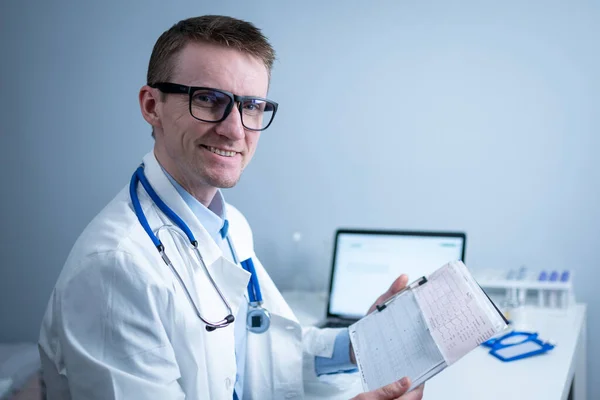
(131, 319)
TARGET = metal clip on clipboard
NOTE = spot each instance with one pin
(422, 280)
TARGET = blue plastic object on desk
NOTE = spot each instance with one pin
(517, 345)
(510, 338)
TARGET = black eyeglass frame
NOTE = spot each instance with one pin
(176, 88)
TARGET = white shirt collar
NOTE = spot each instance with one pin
(213, 218)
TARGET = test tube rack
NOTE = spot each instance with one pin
(553, 294)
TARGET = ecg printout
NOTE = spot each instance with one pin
(424, 329)
(395, 343)
(456, 311)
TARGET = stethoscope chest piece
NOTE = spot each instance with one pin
(258, 319)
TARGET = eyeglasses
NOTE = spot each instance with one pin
(214, 105)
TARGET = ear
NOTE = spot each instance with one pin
(149, 105)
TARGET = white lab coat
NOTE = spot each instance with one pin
(119, 325)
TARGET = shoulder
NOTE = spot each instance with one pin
(109, 227)
(111, 274)
(113, 241)
(104, 271)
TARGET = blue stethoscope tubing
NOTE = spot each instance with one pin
(254, 292)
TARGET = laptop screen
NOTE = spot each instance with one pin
(365, 263)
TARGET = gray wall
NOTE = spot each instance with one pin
(477, 116)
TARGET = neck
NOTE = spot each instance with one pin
(203, 193)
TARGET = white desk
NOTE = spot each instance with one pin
(478, 375)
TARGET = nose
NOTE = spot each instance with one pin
(231, 127)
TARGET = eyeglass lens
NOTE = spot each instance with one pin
(210, 106)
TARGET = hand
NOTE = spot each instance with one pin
(399, 284)
(393, 391)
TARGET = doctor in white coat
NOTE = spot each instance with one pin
(121, 323)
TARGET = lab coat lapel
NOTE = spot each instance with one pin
(285, 337)
(272, 298)
(168, 194)
(279, 350)
(231, 279)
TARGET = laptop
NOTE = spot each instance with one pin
(366, 262)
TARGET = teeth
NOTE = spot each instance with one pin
(221, 152)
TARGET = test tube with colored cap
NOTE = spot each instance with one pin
(553, 296)
(522, 292)
(542, 278)
(511, 295)
(564, 298)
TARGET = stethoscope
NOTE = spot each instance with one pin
(258, 319)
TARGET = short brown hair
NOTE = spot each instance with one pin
(216, 29)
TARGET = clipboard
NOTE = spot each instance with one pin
(424, 328)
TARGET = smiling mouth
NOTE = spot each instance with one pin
(224, 153)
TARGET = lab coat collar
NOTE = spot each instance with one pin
(167, 192)
(231, 278)
(212, 217)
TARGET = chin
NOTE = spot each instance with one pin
(223, 182)
(227, 185)
(219, 176)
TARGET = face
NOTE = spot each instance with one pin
(204, 156)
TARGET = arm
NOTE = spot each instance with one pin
(340, 360)
(113, 332)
